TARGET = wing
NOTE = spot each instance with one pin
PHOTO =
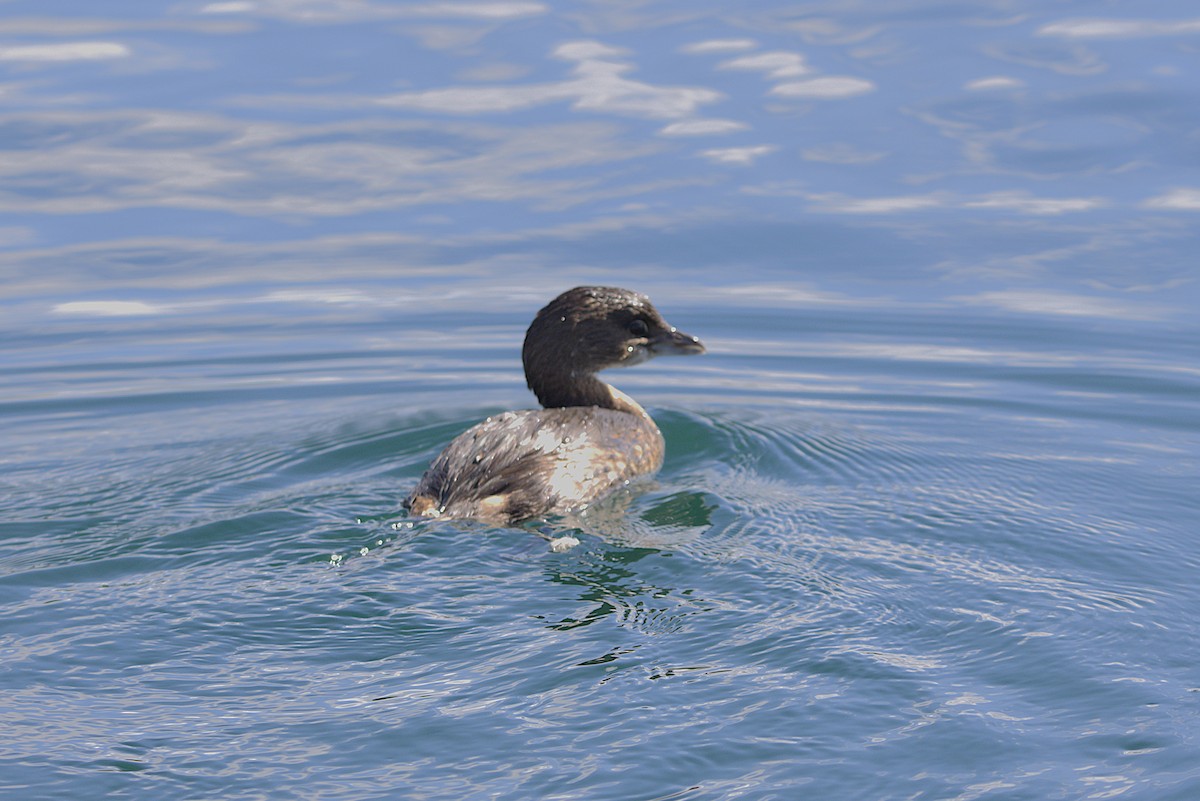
(526, 464)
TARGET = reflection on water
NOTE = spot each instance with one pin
(163, 166)
(926, 524)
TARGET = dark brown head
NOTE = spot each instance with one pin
(592, 328)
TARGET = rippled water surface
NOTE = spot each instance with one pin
(928, 522)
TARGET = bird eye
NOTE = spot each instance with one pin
(639, 328)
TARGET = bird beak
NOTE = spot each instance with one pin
(675, 343)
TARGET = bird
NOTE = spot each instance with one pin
(588, 439)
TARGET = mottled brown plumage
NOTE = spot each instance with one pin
(589, 439)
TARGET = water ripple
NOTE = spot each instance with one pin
(1001, 574)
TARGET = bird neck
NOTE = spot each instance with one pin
(583, 389)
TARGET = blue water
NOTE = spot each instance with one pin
(928, 522)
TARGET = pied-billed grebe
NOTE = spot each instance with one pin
(589, 439)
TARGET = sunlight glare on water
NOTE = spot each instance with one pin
(927, 523)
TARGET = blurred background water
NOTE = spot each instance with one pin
(927, 527)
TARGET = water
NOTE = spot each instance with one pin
(927, 523)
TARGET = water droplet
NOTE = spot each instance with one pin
(563, 544)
